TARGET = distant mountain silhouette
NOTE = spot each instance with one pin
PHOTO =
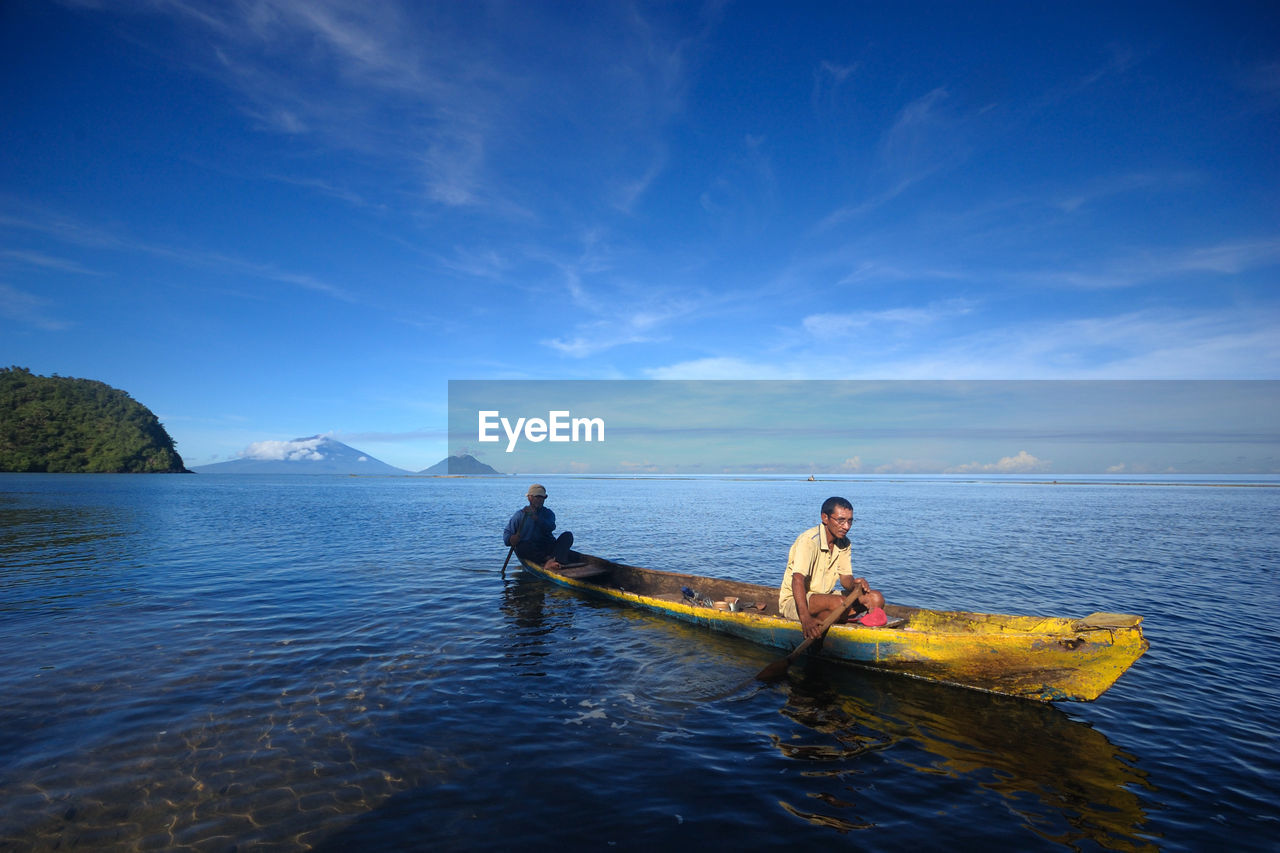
(466, 465)
(314, 455)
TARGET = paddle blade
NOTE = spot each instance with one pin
(778, 668)
(775, 670)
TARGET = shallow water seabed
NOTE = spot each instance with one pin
(298, 663)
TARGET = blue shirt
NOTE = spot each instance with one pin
(537, 528)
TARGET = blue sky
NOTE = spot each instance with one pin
(268, 220)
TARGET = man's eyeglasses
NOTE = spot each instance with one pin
(841, 522)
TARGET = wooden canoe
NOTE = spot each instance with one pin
(1043, 658)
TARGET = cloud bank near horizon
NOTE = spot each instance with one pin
(861, 427)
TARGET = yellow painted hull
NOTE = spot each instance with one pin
(1033, 657)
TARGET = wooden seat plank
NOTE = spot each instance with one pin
(584, 571)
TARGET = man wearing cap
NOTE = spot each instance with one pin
(817, 561)
(530, 532)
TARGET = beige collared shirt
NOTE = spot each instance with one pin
(821, 564)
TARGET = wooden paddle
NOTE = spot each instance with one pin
(512, 549)
(778, 668)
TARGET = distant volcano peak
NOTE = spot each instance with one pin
(464, 465)
(316, 454)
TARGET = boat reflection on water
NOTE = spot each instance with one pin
(1067, 782)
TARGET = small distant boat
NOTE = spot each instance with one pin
(1044, 658)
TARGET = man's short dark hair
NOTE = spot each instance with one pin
(830, 504)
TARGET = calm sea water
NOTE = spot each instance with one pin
(219, 662)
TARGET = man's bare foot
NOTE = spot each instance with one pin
(551, 564)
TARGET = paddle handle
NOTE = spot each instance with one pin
(519, 534)
(524, 523)
(778, 668)
(849, 601)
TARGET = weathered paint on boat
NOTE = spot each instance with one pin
(1033, 657)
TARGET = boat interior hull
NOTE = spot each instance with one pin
(1042, 658)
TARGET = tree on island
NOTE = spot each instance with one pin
(56, 424)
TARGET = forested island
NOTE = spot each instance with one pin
(56, 424)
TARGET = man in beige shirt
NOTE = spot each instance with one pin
(818, 560)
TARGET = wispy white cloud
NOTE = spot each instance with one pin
(746, 188)
(1229, 343)
(1236, 343)
(1118, 60)
(448, 97)
(731, 367)
(490, 263)
(933, 134)
(1227, 259)
(43, 261)
(438, 434)
(326, 187)
(1021, 463)
(1104, 188)
(1224, 344)
(829, 81)
(1139, 469)
(910, 466)
(356, 77)
(60, 228)
(1153, 265)
(1262, 81)
(29, 310)
(90, 237)
(928, 136)
(606, 309)
(867, 205)
(452, 167)
(888, 321)
(914, 143)
(631, 189)
(637, 326)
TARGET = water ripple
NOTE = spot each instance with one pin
(338, 663)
